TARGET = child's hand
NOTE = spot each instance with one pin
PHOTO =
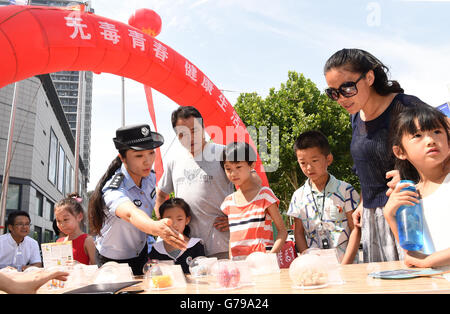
(221, 223)
(357, 216)
(395, 178)
(415, 259)
(399, 198)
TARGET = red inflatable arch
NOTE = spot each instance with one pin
(37, 40)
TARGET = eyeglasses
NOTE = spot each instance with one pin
(347, 89)
(22, 225)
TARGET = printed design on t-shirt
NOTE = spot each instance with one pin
(191, 174)
(195, 175)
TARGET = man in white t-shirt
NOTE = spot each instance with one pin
(196, 176)
(17, 249)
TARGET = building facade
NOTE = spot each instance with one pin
(42, 169)
(66, 84)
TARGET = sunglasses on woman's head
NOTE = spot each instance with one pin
(347, 89)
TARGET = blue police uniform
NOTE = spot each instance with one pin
(120, 240)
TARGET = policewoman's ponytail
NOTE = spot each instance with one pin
(96, 209)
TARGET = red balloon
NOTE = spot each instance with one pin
(148, 21)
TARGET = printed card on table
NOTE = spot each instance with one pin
(57, 254)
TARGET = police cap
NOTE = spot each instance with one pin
(137, 137)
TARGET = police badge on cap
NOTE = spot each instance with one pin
(137, 137)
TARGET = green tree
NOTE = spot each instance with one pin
(298, 106)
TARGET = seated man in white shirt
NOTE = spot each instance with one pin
(17, 249)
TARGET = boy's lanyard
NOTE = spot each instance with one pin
(323, 200)
(321, 233)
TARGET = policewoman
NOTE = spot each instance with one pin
(121, 206)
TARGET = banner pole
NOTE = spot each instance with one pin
(78, 130)
(123, 101)
(6, 168)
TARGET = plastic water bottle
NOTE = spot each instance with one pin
(410, 223)
(18, 260)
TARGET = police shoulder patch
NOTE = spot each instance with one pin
(116, 181)
(153, 193)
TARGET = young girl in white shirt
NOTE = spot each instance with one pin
(420, 140)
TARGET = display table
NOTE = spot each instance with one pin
(356, 280)
(355, 277)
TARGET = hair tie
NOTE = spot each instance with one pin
(77, 199)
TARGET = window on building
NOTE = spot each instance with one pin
(71, 117)
(61, 169)
(80, 180)
(48, 236)
(52, 211)
(68, 177)
(48, 210)
(13, 197)
(52, 158)
(37, 234)
(39, 204)
(72, 180)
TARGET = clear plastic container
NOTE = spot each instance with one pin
(308, 272)
(161, 275)
(224, 275)
(112, 272)
(200, 266)
(245, 273)
(263, 263)
(148, 266)
(154, 278)
(329, 259)
(79, 275)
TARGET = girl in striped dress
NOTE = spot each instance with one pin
(252, 208)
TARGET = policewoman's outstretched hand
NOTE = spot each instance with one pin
(161, 228)
(169, 234)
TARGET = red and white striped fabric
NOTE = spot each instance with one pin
(250, 225)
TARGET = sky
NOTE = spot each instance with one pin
(250, 45)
